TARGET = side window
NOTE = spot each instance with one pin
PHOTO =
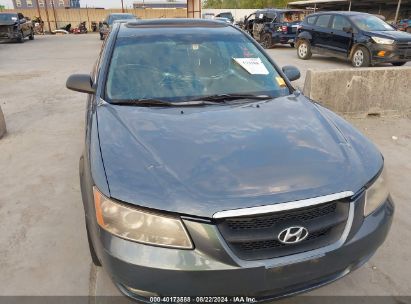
(340, 22)
(310, 20)
(323, 21)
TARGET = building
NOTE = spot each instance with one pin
(392, 10)
(27, 4)
(160, 4)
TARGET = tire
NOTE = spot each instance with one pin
(266, 41)
(292, 44)
(101, 37)
(21, 38)
(31, 36)
(361, 57)
(93, 254)
(398, 63)
(304, 50)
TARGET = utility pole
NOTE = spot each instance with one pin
(398, 11)
(54, 13)
(122, 6)
(47, 15)
(38, 8)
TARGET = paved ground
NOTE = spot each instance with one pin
(43, 246)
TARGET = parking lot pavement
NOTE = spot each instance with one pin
(43, 245)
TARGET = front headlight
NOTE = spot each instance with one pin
(140, 226)
(376, 194)
(380, 40)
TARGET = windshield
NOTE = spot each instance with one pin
(8, 17)
(119, 17)
(371, 23)
(186, 64)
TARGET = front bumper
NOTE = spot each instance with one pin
(10, 35)
(393, 53)
(211, 269)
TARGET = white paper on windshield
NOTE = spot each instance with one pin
(254, 66)
(261, 16)
(14, 18)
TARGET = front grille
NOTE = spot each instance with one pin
(256, 237)
(404, 50)
(4, 29)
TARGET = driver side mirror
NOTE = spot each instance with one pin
(291, 72)
(80, 83)
(348, 29)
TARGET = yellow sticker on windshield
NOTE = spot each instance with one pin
(280, 81)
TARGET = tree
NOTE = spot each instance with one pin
(245, 3)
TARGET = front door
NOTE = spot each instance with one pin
(341, 39)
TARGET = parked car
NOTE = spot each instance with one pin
(14, 26)
(205, 172)
(405, 25)
(222, 19)
(227, 15)
(362, 38)
(110, 19)
(272, 26)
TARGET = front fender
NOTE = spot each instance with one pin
(305, 36)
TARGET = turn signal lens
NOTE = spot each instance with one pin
(140, 226)
(376, 194)
(381, 53)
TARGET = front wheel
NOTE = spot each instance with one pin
(361, 58)
(266, 41)
(20, 39)
(304, 50)
(398, 63)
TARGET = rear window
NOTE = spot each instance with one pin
(186, 64)
(292, 17)
(323, 20)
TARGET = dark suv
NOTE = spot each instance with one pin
(272, 26)
(362, 38)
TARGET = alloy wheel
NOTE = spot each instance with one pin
(358, 58)
(302, 50)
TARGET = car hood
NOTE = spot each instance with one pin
(396, 35)
(199, 161)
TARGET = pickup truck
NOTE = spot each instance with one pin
(14, 26)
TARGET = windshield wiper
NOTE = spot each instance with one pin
(162, 103)
(233, 97)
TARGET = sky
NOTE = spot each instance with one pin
(92, 3)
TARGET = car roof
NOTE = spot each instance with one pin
(344, 13)
(131, 28)
(280, 10)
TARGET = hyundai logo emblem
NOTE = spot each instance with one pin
(293, 235)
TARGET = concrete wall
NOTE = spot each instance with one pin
(75, 16)
(2, 124)
(362, 91)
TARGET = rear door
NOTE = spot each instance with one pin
(322, 32)
(341, 40)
